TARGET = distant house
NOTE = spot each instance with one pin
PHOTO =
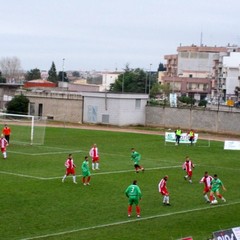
(7, 92)
(39, 83)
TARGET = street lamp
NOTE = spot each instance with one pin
(63, 69)
(123, 83)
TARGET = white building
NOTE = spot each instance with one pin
(114, 109)
(108, 78)
(231, 73)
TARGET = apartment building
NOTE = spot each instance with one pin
(229, 77)
(196, 70)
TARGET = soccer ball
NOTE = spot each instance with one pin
(215, 201)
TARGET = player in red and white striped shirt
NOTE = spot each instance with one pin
(70, 168)
(3, 144)
(206, 179)
(188, 167)
(162, 188)
(95, 157)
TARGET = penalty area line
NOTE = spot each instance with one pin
(129, 221)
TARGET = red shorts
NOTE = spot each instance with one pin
(3, 149)
(70, 171)
(95, 159)
(164, 192)
(189, 173)
(207, 189)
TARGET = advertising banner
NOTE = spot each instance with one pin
(171, 137)
(232, 145)
(228, 234)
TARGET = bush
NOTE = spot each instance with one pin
(188, 100)
(202, 103)
(18, 105)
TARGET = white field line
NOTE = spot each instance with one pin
(225, 168)
(22, 175)
(99, 173)
(45, 153)
(130, 221)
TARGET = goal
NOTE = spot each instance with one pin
(25, 129)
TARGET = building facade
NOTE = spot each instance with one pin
(88, 107)
(229, 78)
(55, 105)
(114, 109)
(196, 70)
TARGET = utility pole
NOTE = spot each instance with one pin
(149, 83)
(63, 70)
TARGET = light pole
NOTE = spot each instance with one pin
(123, 83)
(63, 69)
(149, 83)
(173, 85)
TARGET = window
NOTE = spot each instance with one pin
(138, 103)
(105, 118)
(32, 108)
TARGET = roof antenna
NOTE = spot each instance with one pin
(201, 36)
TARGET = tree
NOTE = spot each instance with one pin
(33, 74)
(236, 91)
(166, 89)
(161, 68)
(10, 68)
(133, 80)
(18, 105)
(2, 79)
(187, 100)
(160, 90)
(62, 77)
(52, 74)
(75, 74)
(155, 90)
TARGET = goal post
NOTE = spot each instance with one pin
(25, 129)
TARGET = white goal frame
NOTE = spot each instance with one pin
(32, 120)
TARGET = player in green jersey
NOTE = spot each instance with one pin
(136, 157)
(86, 172)
(216, 183)
(134, 195)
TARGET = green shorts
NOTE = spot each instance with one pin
(86, 174)
(215, 190)
(133, 200)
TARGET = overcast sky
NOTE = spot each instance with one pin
(108, 34)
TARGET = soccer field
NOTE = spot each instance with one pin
(35, 204)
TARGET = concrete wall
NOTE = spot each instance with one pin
(127, 109)
(201, 120)
(56, 106)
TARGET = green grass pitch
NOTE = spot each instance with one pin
(35, 204)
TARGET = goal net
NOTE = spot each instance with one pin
(25, 129)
